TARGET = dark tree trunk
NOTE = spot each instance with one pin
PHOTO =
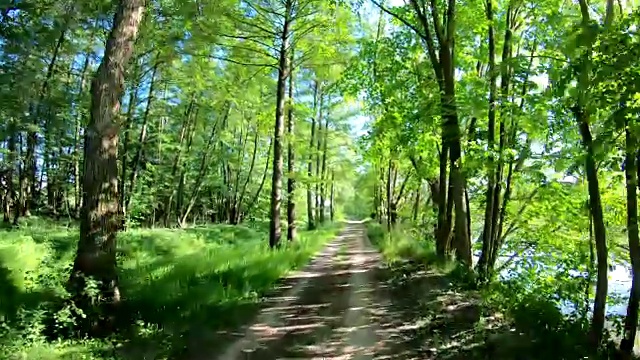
(487, 230)
(631, 174)
(389, 194)
(310, 204)
(318, 146)
(12, 199)
(333, 196)
(96, 254)
(291, 161)
(323, 171)
(597, 322)
(275, 231)
(79, 122)
(444, 220)
(416, 205)
(582, 116)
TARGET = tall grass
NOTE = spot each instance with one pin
(405, 244)
(171, 280)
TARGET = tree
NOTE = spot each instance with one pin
(284, 69)
(291, 163)
(440, 39)
(96, 255)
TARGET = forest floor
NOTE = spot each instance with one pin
(219, 293)
(348, 304)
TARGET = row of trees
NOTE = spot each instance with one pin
(163, 114)
(494, 112)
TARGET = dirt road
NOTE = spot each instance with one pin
(341, 306)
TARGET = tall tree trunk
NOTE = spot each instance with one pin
(416, 204)
(318, 147)
(12, 198)
(21, 207)
(440, 43)
(599, 227)
(135, 165)
(96, 254)
(275, 231)
(310, 204)
(504, 115)
(332, 205)
(389, 193)
(291, 181)
(582, 116)
(487, 230)
(323, 171)
(631, 174)
(443, 225)
(79, 122)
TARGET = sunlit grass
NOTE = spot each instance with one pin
(171, 280)
(403, 244)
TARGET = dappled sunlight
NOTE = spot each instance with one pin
(352, 309)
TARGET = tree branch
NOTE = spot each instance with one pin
(400, 18)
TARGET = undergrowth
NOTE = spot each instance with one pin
(172, 281)
(532, 322)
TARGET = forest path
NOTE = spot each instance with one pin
(344, 305)
(327, 313)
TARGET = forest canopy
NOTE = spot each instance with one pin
(501, 135)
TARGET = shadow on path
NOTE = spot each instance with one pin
(347, 305)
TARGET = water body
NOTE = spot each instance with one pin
(618, 292)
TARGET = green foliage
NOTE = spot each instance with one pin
(405, 244)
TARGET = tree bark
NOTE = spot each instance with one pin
(12, 198)
(323, 171)
(332, 208)
(96, 254)
(275, 231)
(582, 116)
(291, 161)
(631, 174)
(310, 204)
(318, 145)
(487, 230)
(79, 119)
(443, 226)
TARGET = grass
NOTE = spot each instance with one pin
(175, 283)
(405, 244)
